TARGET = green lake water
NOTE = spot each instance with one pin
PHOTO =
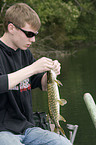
(78, 76)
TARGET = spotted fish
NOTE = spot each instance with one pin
(54, 101)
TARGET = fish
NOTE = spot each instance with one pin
(54, 101)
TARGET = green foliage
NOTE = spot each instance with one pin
(57, 12)
(87, 21)
(58, 18)
(62, 21)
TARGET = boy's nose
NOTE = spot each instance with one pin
(32, 39)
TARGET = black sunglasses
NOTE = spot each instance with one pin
(29, 34)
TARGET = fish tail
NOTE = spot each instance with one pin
(59, 130)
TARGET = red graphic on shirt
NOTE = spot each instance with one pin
(24, 86)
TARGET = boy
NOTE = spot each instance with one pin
(19, 73)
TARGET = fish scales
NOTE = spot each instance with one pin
(53, 105)
(54, 100)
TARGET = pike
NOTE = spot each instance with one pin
(54, 101)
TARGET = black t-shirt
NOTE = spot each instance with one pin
(16, 113)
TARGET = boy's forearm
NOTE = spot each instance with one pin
(44, 82)
(18, 76)
(42, 65)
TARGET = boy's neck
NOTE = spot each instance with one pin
(7, 40)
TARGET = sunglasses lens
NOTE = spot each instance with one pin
(30, 34)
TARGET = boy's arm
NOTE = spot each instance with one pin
(44, 82)
(42, 65)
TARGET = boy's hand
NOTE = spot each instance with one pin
(56, 67)
(45, 64)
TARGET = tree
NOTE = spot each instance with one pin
(64, 22)
(57, 19)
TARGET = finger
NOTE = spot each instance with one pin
(47, 59)
(47, 62)
(57, 70)
(56, 64)
(57, 67)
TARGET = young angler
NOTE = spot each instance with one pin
(19, 73)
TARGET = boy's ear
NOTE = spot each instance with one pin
(10, 28)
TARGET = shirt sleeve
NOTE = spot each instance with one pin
(3, 78)
(3, 83)
(36, 81)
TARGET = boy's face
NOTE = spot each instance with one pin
(20, 39)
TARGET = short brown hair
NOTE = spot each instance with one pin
(21, 13)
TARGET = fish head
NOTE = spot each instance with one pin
(51, 75)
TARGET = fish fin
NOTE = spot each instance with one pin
(58, 82)
(62, 102)
(62, 131)
(56, 130)
(61, 118)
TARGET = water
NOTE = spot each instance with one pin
(78, 76)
